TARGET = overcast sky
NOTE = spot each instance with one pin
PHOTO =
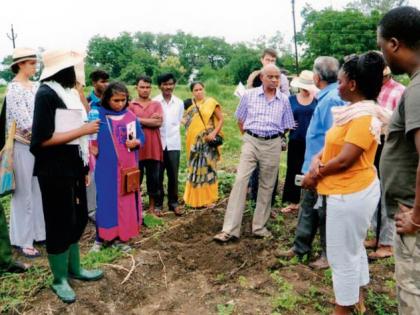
(70, 24)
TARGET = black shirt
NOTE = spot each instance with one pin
(59, 160)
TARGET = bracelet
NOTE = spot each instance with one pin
(413, 223)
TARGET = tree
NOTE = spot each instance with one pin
(7, 73)
(244, 61)
(173, 64)
(382, 6)
(337, 33)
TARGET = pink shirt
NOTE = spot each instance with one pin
(390, 95)
(152, 148)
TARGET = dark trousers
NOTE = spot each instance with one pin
(171, 166)
(65, 211)
(254, 183)
(5, 247)
(295, 157)
(152, 169)
(309, 220)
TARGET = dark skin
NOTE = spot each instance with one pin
(403, 59)
(144, 89)
(349, 154)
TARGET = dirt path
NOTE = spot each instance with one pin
(182, 271)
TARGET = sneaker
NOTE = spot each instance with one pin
(264, 233)
(320, 263)
(125, 248)
(280, 253)
(96, 247)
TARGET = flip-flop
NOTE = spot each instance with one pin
(381, 253)
(24, 252)
(223, 237)
(289, 209)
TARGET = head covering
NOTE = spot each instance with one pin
(57, 60)
(387, 71)
(23, 54)
(305, 81)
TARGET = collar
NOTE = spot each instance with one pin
(260, 91)
(93, 97)
(162, 99)
(326, 90)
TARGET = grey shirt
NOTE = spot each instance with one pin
(399, 159)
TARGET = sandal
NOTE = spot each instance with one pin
(29, 252)
(121, 246)
(290, 208)
(223, 237)
(18, 267)
(382, 252)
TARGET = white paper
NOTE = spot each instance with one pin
(131, 131)
(68, 119)
(240, 90)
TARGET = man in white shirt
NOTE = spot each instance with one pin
(173, 110)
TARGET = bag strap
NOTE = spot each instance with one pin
(201, 117)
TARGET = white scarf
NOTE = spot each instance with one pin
(380, 120)
(71, 99)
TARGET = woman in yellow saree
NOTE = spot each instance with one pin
(201, 187)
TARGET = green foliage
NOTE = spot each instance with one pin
(337, 33)
(225, 309)
(104, 256)
(152, 221)
(286, 298)
(380, 304)
(382, 6)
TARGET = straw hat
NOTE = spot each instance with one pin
(305, 81)
(23, 54)
(57, 60)
(387, 71)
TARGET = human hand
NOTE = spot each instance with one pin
(90, 127)
(210, 137)
(404, 221)
(132, 144)
(156, 115)
(309, 182)
(87, 180)
(315, 166)
(93, 149)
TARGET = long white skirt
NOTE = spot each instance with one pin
(348, 220)
(26, 216)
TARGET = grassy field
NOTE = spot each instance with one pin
(249, 281)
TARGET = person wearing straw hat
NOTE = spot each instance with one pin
(61, 151)
(303, 105)
(26, 217)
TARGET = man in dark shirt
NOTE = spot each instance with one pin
(399, 40)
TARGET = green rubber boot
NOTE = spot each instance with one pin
(76, 271)
(60, 286)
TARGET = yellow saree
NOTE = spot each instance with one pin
(201, 187)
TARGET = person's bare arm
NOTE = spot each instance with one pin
(219, 116)
(241, 127)
(154, 122)
(59, 138)
(344, 160)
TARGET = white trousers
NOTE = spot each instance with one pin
(348, 220)
(26, 215)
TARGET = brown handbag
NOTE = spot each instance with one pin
(130, 176)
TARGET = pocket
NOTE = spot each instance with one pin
(405, 244)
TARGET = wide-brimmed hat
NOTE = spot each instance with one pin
(387, 71)
(57, 60)
(305, 81)
(23, 54)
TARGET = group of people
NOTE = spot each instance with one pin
(353, 147)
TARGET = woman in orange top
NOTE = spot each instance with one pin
(345, 173)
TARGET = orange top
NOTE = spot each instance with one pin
(363, 172)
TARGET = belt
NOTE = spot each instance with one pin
(276, 135)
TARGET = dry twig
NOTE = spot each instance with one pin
(117, 267)
(133, 266)
(164, 270)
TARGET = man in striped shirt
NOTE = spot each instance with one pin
(263, 114)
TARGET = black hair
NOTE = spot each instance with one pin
(402, 23)
(367, 70)
(15, 68)
(97, 75)
(193, 84)
(66, 77)
(144, 78)
(112, 89)
(269, 51)
(165, 77)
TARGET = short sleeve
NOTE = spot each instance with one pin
(359, 132)
(288, 121)
(44, 119)
(412, 108)
(242, 110)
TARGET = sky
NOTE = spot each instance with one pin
(70, 24)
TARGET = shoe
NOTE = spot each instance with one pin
(76, 271)
(29, 252)
(264, 233)
(96, 247)
(383, 251)
(319, 264)
(178, 212)
(59, 268)
(290, 253)
(370, 243)
(122, 246)
(224, 237)
(16, 267)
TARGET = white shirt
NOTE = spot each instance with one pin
(172, 116)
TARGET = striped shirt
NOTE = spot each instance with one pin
(263, 117)
(390, 95)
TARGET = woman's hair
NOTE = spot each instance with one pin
(193, 84)
(15, 68)
(65, 77)
(367, 70)
(112, 89)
